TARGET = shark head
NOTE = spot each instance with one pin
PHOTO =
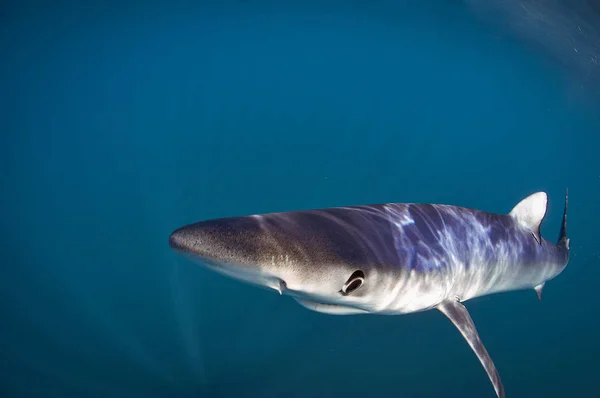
(322, 266)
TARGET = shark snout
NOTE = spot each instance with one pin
(178, 240)
(234, 247)
(193, 241)
(231, 240)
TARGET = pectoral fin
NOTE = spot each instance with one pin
(459, 316)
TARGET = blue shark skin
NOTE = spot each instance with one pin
(386, 259)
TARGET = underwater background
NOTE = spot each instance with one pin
(123, 121)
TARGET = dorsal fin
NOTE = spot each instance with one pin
(530, 213)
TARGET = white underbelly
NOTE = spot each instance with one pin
(413, 293)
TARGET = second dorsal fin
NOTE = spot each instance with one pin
(530, 213)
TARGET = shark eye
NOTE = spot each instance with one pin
(354, 282)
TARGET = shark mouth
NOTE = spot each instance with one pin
(332, 309)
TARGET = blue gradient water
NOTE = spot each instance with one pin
(121, 123)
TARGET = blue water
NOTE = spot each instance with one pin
(121, 123)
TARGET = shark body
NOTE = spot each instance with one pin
(386, 259)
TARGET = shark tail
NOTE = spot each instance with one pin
(563, 240)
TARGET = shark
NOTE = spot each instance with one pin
(386, 259)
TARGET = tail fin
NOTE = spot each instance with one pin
(563, 241)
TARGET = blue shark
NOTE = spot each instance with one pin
(387, 259)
